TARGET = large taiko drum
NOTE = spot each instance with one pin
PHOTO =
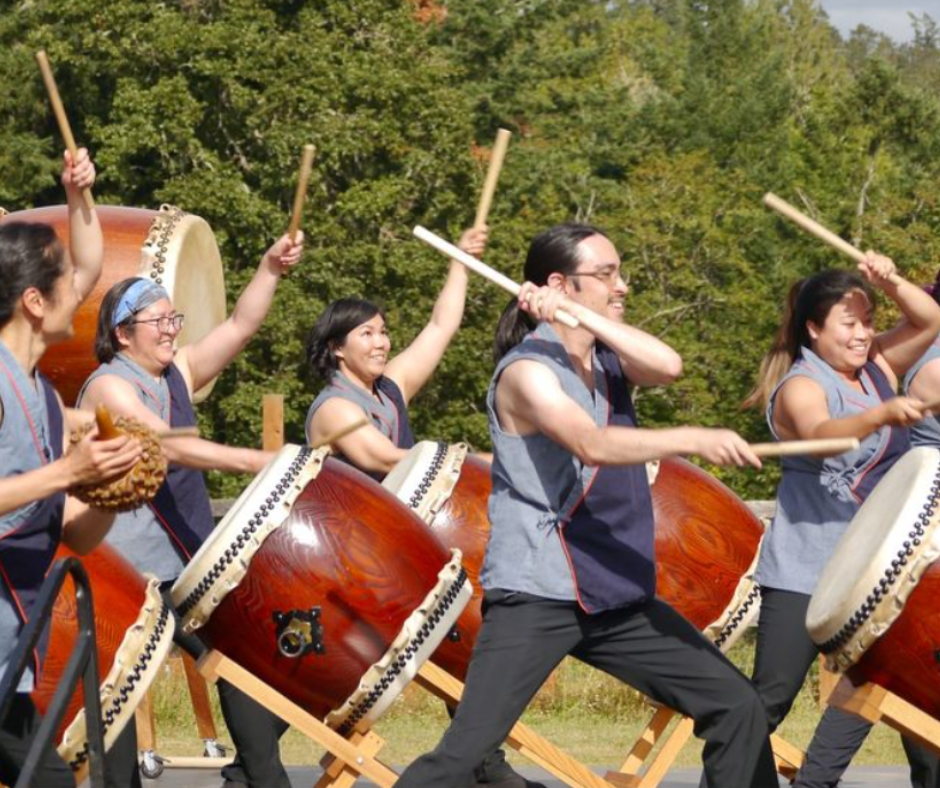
(321, 584)
(707, 540)
(133, 634)
(169, 247)
(874, 610)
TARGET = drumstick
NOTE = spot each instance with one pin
(492, 176)
(483, 269)
(792, 448)
(306, 163)
(815, 228)
(178, 432)
(61, 117)
(329, 439)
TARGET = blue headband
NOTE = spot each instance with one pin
(138, 296)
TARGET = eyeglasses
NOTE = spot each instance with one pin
(609, 278)
(163, 323)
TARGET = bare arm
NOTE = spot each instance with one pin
(926, 383)
(897, 350)
(412, 368)
(84, 526)
(646, 360)
(366, 448)
(203, 360)
(121, 399)
(86, 242)
(802, 413)
(530, 399)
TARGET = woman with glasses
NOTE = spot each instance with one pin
(143, 375)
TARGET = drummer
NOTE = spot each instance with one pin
(569, 567)
(42, 287)
(349, 348)
(143, 375)
(829, 375)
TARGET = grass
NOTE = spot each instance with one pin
(590, 715)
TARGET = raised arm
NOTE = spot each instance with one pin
(529, 399)
(86, 243)
(802, 413)
(121, 400)
(366, 448)
(411, 368)
(897, 350)
(203, 360)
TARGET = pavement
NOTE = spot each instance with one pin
(304, 777)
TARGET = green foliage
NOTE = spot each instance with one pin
(661, 120)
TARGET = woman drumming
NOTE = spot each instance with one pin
(830, 376)
(40, 289)
(348, 347)
(144, 376)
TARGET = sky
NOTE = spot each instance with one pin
(884, 16)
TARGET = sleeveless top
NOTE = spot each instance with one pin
(926, 432)
(163, 535)
(561, 529)
(30, 437)
(817, 497)
(388, 413)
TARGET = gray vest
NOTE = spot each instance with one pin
(23, 436)
(926, 432)
(816, 497)
(137, 535)
(535, 480)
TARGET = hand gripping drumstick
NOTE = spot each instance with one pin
(815, 228)
(306, 163)
(792, 448)
(483, 269)
(61, 117)
(492, 176)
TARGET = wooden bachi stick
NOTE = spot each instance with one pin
(792, 448)
(492, 177)
(306, 164)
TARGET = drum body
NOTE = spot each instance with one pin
(707, 540)
(873, 612)
(169, 247)
(322, 585)
(133, 635)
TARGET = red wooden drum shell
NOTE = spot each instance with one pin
(121, 599)
(191, 271)
(706, 537)
(346, 547)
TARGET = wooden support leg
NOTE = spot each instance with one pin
(875, 704)
(827, 682)
(521, 738)
(647, 741)
(199, 695)
(337, 774)
(215, 665)
(143, 719)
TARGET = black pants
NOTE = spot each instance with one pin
(649, 646)
(784, 655)
(16, 734)
(255, 731)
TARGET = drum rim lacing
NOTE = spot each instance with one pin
(161, 232)
(915, 542)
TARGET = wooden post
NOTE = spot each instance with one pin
(272, 435)
(199, 694)
(143, 719)
(827, 682)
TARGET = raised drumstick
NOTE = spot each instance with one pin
(478, 266)
(61, 117)
(340, 434)
(792, 448)
(306, 164)
(813, 227)
(492, 176)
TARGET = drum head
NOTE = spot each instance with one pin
(426, 477)
(879, 560)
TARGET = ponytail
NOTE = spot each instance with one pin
(513, 325)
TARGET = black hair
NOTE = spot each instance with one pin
(330, 330)
(31, 255)
(553, 251)
(107, 345)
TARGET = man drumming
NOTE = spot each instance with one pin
(569, 567)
